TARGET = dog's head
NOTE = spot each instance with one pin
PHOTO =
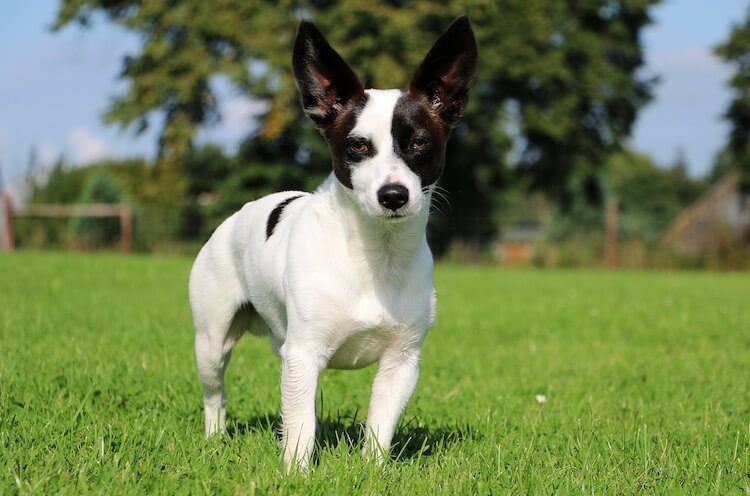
(388, 146)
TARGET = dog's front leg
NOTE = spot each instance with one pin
(393, 386)
(300, 369)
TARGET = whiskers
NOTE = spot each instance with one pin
(439, 199)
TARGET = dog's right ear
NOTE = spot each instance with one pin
(325, 82)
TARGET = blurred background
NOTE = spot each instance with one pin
(599, 132)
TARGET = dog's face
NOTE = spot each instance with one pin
(388, 146)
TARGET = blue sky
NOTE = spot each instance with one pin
(55, 86)
(693, 93)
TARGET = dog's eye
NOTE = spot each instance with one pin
(418, 144)
(359, 147)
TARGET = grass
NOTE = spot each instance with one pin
(647, 379)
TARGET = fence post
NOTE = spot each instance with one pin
(7, 242)
(126, 228)
(610, 254)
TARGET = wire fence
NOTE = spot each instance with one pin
(458, 236)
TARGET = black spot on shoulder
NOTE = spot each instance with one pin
(275, 215)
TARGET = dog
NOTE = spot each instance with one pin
(342, 277)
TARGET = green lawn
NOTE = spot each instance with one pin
(647, 379)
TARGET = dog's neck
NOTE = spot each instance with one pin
(383, 245)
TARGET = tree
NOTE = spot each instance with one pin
(185, 45)
(736, 51)
(99, 187)
(650, 196)
(557, 89)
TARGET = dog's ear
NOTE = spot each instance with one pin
(447, 71)
(325, 82)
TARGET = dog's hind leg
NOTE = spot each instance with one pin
(219, 323)
(213, 349)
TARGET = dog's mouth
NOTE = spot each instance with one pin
(400, 215)
(394, 217)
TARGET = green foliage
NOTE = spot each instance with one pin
(206, 167)
(99, 187)
(736, 51)
(65, 183)
(724, 164)
(219, 184)
(644, 376)
(650, 196)
(61, 184)
(557, 90)
(154, 223)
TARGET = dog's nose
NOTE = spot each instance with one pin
(393, 196)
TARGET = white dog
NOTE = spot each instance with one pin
(341, 277)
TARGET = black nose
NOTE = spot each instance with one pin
(393, 196)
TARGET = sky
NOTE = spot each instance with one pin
(693, 93)
(54, 88)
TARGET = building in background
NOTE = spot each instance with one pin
(721, 217)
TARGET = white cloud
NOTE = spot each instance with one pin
(689, 73)
(46, 154)
(690, 58)
(85, 147)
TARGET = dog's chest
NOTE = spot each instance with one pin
(375, 321)
(360, 349)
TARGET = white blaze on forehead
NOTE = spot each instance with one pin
(385, 167)
(374, 122)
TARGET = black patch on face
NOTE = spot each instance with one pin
(419, 137)
(275, 215)
(358, 149)
(337, 136)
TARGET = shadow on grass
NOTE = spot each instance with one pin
(412, 440)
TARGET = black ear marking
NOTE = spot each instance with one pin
(447, 71)
(325, 82)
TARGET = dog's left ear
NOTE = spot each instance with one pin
(446, 73)
(325, 81)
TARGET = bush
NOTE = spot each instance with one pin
(99, 187)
